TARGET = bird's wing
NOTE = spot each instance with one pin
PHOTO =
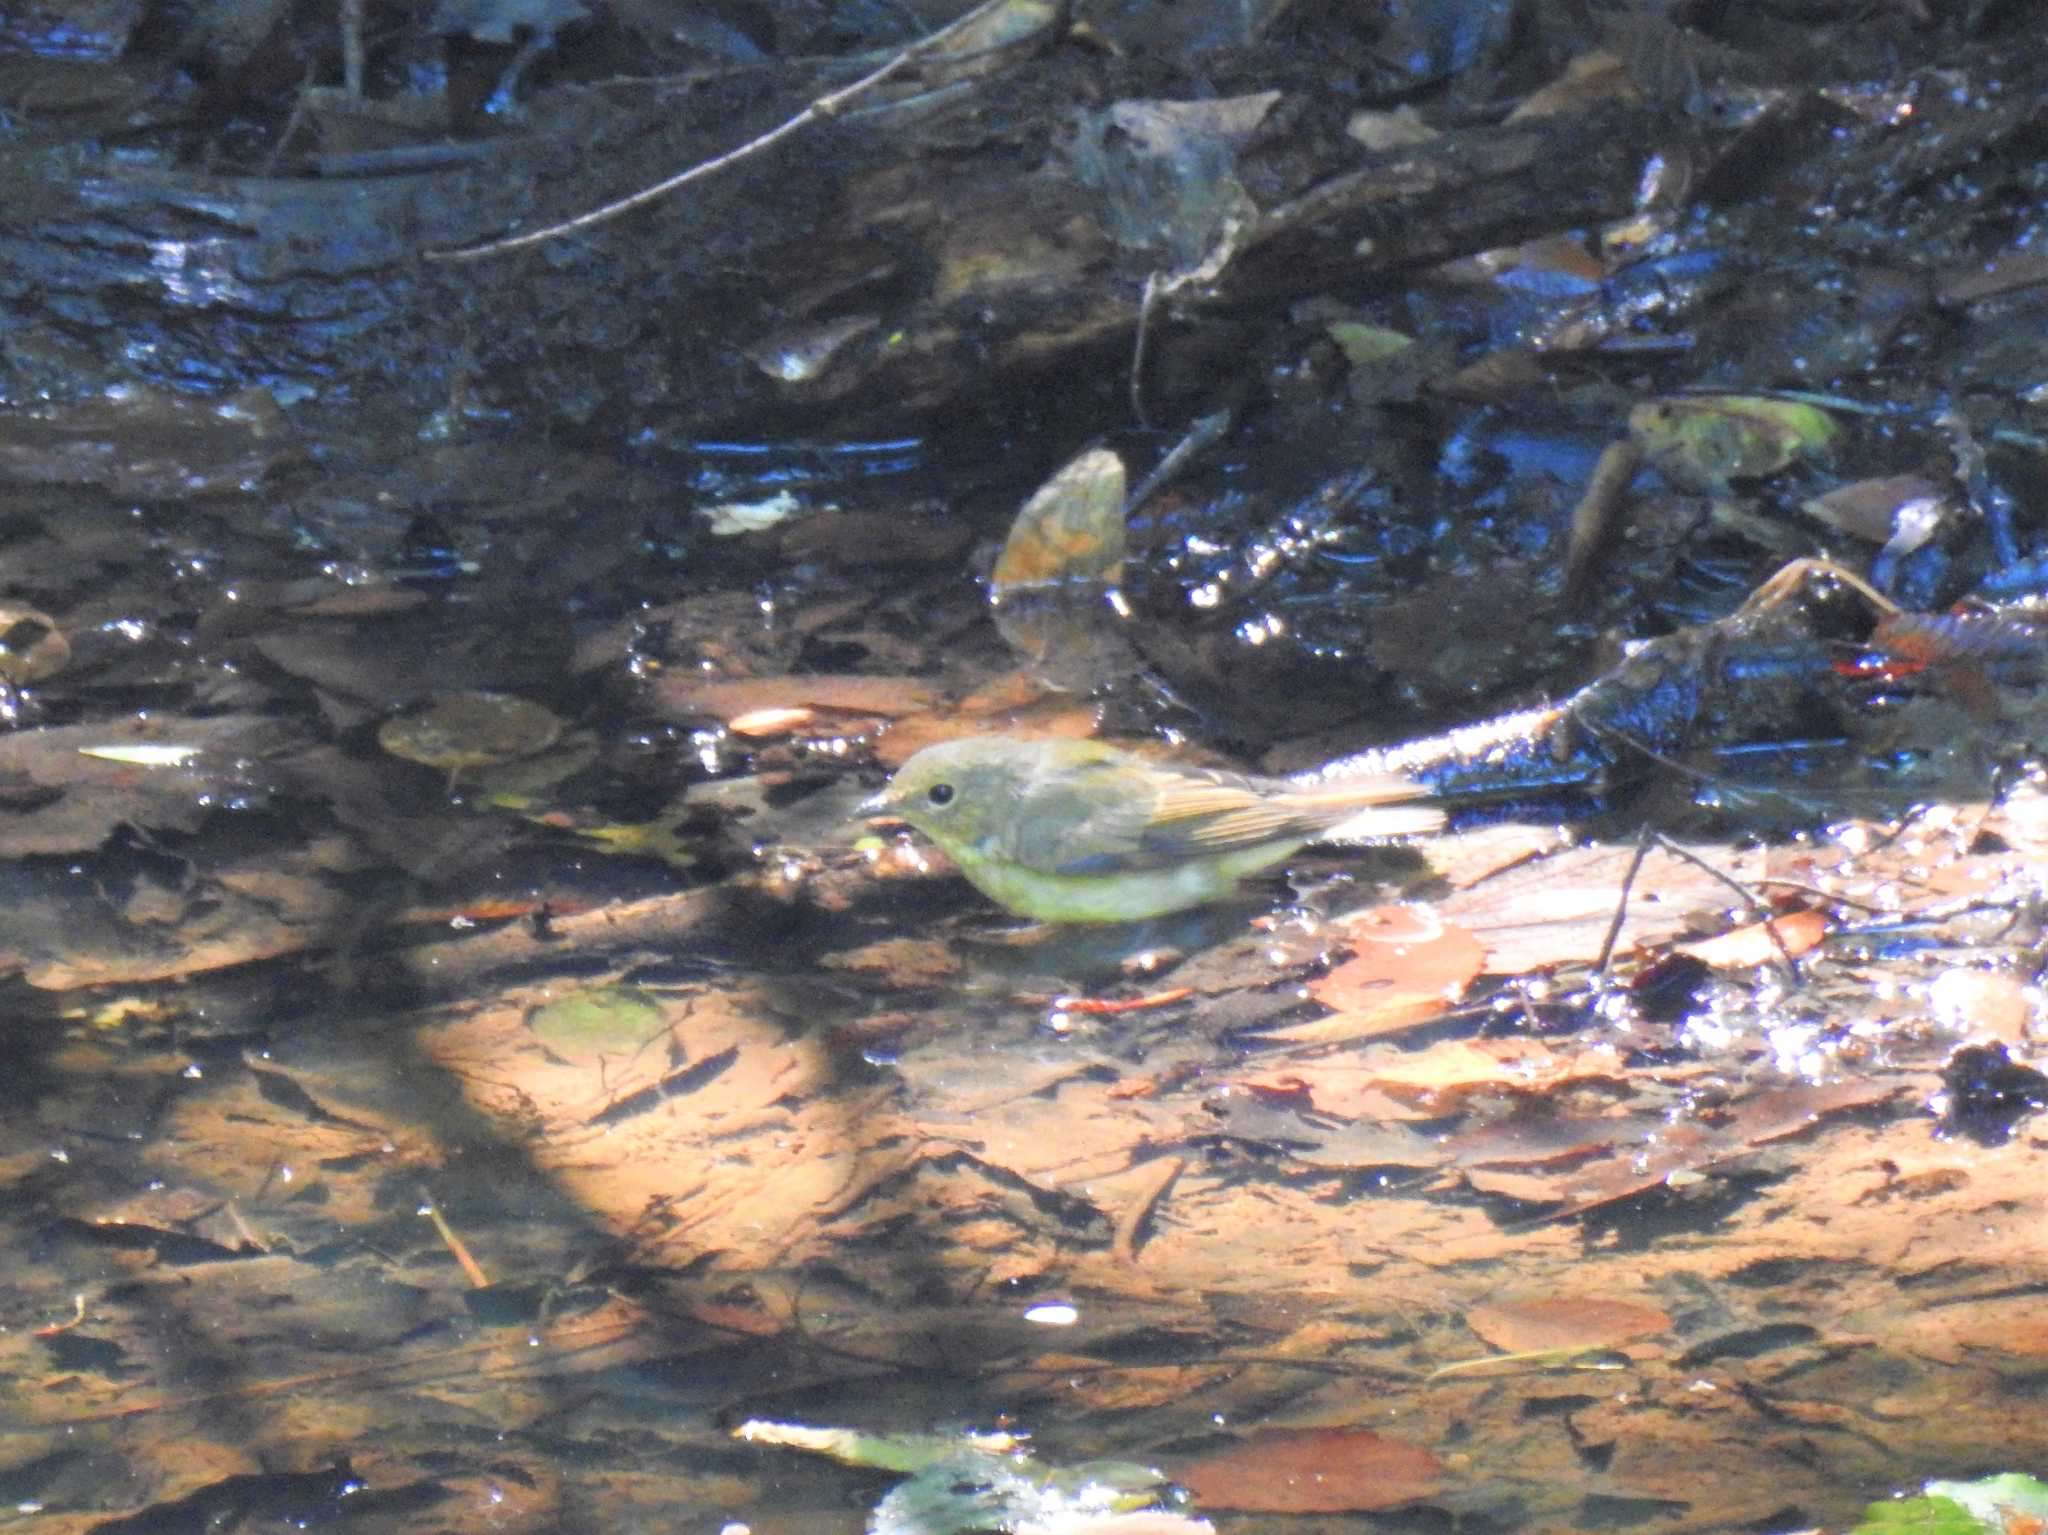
(1081, 818)
(1160, 822)
(1106, 818)
(1223, 812)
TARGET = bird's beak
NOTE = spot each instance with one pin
(875, 807)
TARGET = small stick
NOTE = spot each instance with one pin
(77, 1317)
(1628, 881)
(1123, 1246)
(1104, 1007)
(352, 47)
(470, 1266)
(1750, 898)
(1147, 298)
(825, 106)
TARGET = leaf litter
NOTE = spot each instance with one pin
(773, 1133)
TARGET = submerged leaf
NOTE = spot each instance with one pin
(470, 730)
(1704, 442)
(1314, 1471)
(1406, 967)
(597, 1019)
(1564, 1322)
(883, 1452)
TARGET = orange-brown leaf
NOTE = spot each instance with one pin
(1313, 1471)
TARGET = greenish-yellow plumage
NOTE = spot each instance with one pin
(1074, 831)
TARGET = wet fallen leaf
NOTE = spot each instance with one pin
(1878, 509)
(1745, 948)
(32, 647)
(1014, 706)
(1704, 442)
(1313, 1471)
(149, 444)
(470, 730)
(737, 697)
(598, 1020)
(67, 796)
(1072, 528)
(1406, 967)
(1052, 586)
(1556, 907)
(1438, 1078)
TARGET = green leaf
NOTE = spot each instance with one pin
(1988, 1506)
(1992, 1500)
(598, 1019)
(1918, 1516)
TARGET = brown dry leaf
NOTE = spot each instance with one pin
(1013, 706)
(1406, 967)
(1072, 528)
(905, 962)
(1556, 909)
(733, 698)
(1746, 948)
(1313, 1471)
(1564, 1322)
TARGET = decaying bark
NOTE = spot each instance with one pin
(912, 256)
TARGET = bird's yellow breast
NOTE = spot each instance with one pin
(1127, 897)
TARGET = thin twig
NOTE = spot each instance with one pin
(1123, 1244)
(469, 1266)
(1148, 297)
(1204, 431)
(1750, 898)
(1628, 881)
(825, 106)
(352, 46)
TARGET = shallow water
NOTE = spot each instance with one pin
(320, 1202)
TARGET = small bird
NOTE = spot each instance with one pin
(1074, 831)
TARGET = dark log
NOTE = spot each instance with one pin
(945, 242)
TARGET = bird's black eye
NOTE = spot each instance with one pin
(940, 794)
